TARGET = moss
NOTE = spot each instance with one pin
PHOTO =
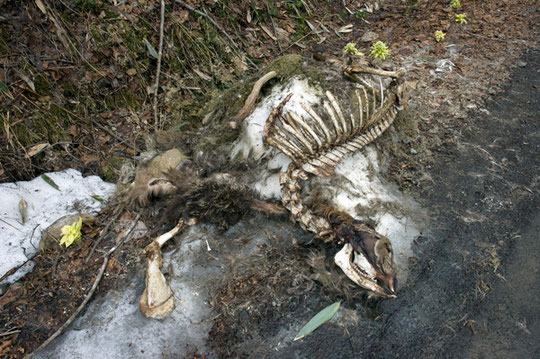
(111, 167)
(4, 40)
(89, 6)
(123, 98)
(42, 84)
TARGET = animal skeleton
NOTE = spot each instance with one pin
(316, 145)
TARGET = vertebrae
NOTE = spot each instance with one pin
(317, 144)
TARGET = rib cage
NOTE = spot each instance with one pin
(317, 146)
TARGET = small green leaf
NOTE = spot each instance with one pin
(3, 87)
(319, 319)
(151, 49)
(50, 182)
(98, 198)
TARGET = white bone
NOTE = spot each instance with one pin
(336, 108)
(308, 129)
(333, 117)
(319, 122)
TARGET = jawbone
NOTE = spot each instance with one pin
(359, 270)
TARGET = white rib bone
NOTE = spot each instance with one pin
(319, 122)
(360, 111)
(333, 157)
(333, 117)
(298, 136)
(300, 121)
(336, 107)
(367, 104)
(374, 95)
(382, 92)
(287, 146)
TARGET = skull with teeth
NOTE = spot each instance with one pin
(366, 258)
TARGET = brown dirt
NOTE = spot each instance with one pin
(71, 90)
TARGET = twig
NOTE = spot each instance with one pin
(207, 17)
(158, 71)
(9, 332)
(104, 128)
(250, 101)
(274, 27)
(104, 232)
(351, 70)
(9, 224)
(88, 296)
(296, 42)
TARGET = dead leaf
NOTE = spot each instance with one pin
(11, 295)
(346, 29)
(202, 75)
(89, 158)
(34, 150)
(23, 210)
(131, 72)
(267, 32)
(41, 6)
(29, 82)
(73, 130)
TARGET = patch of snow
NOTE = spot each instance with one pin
(251, 142)
(113, 327)
(45, 205)
(361, 190)
(358, 186)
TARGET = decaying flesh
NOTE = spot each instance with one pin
(316, 144)
(195, 191)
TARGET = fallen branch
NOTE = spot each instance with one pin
(296, 42)
(353, 69)
(250, 101)
(158, 70)
(88, 295)
(207, 17)
(104, 232)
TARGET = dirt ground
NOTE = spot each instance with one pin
(474, 287)
(468, 154)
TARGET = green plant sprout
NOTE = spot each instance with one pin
(350, 49)
(379, 50)
(439, 35)
(72, 233)
(460, 19)
(455, 4)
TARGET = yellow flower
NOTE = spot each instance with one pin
(439, 35)
(460, 19)
(71, 234)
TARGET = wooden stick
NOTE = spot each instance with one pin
(88, 295)
(158, 71)
(104, 232)
(350, 70)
